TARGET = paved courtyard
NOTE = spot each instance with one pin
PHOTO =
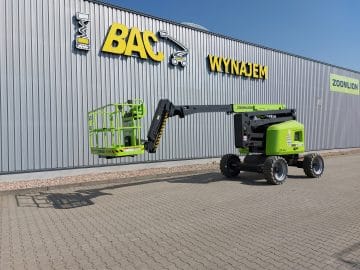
(198, 221)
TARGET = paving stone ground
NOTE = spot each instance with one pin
(198, 221)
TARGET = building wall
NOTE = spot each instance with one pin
(48, 86)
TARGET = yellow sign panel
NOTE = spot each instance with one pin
(344, 84)
(239, 68)
(122, 40)
(81, 40)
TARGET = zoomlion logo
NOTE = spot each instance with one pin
(82, 41)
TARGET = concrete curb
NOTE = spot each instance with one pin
(120, 174)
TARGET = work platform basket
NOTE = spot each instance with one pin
(115, 129)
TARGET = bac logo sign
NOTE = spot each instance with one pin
(124, 41)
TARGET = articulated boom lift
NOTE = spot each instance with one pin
(268, 135)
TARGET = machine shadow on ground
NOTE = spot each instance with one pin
(84, 197)
(350, 256)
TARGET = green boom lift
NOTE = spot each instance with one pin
(268, 135)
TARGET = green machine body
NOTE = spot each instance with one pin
(269, 136)
(286, 138)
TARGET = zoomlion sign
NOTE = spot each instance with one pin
(344, 84)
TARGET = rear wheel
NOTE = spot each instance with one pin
(313, 165)
(275, 170)
(230, 165)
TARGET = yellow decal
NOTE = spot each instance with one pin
(115, 40)
(263, 72)
(250, 69)
(346, 85)
(81, 40)
(234, 67)
(150, 36)
(120, 40)
(243, 69)
(135, 44)
(215, 63)
(226, 64)
(256, 71)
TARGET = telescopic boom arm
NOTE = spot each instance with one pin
(166, 109)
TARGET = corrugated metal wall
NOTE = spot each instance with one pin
(47, 87)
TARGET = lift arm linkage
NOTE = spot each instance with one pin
(166, 109)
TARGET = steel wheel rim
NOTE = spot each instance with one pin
(280, 171)
(318, 165)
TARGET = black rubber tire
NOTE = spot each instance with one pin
(313, 165)
(275, 170)
(230, 165)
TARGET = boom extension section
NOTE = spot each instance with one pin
(166, 109)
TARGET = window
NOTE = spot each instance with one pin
(298, 136)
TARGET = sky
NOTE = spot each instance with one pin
(324, 30)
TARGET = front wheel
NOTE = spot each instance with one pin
(275, 170)
(313, 165)
(230, 165)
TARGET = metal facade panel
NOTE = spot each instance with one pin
(47, 87)
(3, 95)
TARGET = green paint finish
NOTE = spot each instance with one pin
(118, 151)
(239, 108)
(115, 129)
(344, 84)
(243, 150)
(285, 138)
